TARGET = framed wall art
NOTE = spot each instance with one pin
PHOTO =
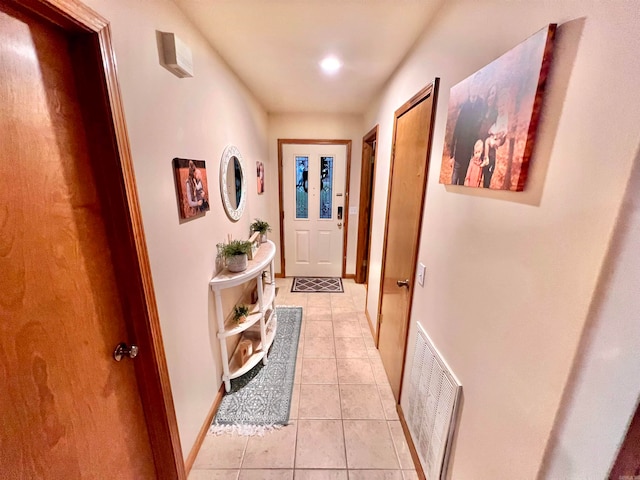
(260, 177)
(192, 188)
(493, 117)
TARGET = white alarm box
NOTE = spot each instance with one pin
(177, 56)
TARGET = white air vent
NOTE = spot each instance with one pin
(432, 396)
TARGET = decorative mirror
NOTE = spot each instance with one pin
(233, 183)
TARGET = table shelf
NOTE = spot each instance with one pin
(260, 326)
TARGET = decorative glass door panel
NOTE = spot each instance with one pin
(302, 187)
(326, 187)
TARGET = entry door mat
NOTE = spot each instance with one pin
(260, 400)
(317, 285)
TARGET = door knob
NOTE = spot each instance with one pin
(122, 350)
(403, 283)
(340, 225)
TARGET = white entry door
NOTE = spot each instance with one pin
(314, 209)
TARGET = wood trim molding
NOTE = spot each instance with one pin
(412, 447)
(349, 276)
(345, 220)
(197, 445)
(103, 114)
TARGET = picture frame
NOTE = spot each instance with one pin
(260, 177)
(192, 187)
(493, 118)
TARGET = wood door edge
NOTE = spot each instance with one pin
(281, 204)
(197, 444)
(412, 447)
(345, 210)
(151, 370)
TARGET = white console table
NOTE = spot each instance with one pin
(260, 326)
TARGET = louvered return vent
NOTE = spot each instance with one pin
(433, 396)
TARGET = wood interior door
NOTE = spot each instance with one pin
(407, 186)
(367, 181)
(69, 410)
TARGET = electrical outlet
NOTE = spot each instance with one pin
(421, 271)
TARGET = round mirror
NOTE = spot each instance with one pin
(233, 183)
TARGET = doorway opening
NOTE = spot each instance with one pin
(313, 185)
(367, 183)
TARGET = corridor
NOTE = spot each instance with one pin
(343, 422)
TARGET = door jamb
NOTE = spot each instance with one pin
(93, 61)
(429, 90)
(345, 221)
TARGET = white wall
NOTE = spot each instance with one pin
(189, 118)
(320, 127)
(511, 276)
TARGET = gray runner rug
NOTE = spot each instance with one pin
(260, 400)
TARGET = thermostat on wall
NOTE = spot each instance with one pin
(177, 56)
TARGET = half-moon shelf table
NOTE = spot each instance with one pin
(260, 326)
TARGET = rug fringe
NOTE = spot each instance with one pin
(243, 430)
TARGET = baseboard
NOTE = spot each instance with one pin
(351, 276)
(412, 447)
(188, 463)
(279, 275)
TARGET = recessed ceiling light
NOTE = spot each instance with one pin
(330, 65)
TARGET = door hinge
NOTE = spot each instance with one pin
(379, 319)
(364, 263)
(393, 152)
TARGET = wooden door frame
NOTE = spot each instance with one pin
(94, 66)
(367, 184)
(345, 215)
(429, 90)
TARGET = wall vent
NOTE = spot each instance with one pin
(433, 396)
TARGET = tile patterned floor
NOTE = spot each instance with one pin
(344, 425)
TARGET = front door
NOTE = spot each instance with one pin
(68, 409)
(409, 168)
(314, 197)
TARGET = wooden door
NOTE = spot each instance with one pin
(314, 196)
(367, 181)
(407, 185)
(69, 410)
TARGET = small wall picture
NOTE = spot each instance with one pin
(192, 188)
(260, 177)
(493, 116)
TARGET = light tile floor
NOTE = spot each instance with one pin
(344, 424)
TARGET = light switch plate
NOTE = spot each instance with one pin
(421, 270)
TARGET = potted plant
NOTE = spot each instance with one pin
(261, 227)
(240, 313)
(235, 253)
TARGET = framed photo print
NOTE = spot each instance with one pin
(192, 189)
(493, 117)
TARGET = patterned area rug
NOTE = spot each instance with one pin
(261, 399)
(317, 285)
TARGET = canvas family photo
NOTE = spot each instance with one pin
(191, 187)
(493, 115)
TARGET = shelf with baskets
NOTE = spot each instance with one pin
(260, 326)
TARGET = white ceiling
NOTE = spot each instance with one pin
(274, 46)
